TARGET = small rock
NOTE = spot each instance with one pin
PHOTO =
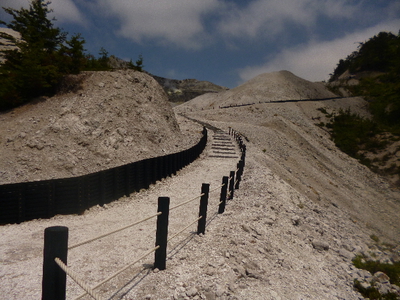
(191, 292)
(381, 277)
(210, 271)
(209, 295)
(269, 222)
(246, 228)
(320, 245)
(253, 274)
(219, 291)
(275, 295)
(156, 270)
(364, 274)
(240, 270)
(365, 284)
(296, 220)
(383, 288)
(346, 254)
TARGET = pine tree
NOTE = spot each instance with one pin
(38, 64)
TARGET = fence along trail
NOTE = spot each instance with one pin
(21, 245)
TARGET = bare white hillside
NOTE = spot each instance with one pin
(287, 141)
(282, 85)
(99, 120)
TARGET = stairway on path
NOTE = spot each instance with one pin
(223, 146)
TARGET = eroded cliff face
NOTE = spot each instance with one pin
(98, 120)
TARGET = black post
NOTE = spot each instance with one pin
(162, 233)
(231, 185)
(222, 198)
(201, 225)
(54, 279)
(244, 154)
(239, 174)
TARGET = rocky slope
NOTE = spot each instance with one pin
(290, 143)
(179, 91)
(98, 120)
(303, 211)
(271, 87)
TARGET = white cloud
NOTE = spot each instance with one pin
(15, 3)
(177, 22)
(268, 18)
(316, 60)
(65, 11)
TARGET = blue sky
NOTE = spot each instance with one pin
(226, 42)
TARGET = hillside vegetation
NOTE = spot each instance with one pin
(373, 72)
(36, 55)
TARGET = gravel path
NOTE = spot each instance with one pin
(21, 245)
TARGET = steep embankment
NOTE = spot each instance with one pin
(99, 120)
(289, 143)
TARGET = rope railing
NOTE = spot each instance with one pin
(112, 232)
(182, 230)
(76, 278)
(186, 202)
(56, 254)
(120, 271)
(218, 187)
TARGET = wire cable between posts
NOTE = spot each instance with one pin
(75, 278)
(120, 271)
(112, 232)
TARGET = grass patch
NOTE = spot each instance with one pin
(391, 270)
(372, 293)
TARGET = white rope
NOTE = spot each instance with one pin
(179, 205)
(120, 271)
(218, 187)
(178, 233)
(117, 230)
(73, 275)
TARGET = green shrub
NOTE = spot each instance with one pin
(391, 270)
(351, 133)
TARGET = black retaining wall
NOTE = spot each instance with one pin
(26, 201)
